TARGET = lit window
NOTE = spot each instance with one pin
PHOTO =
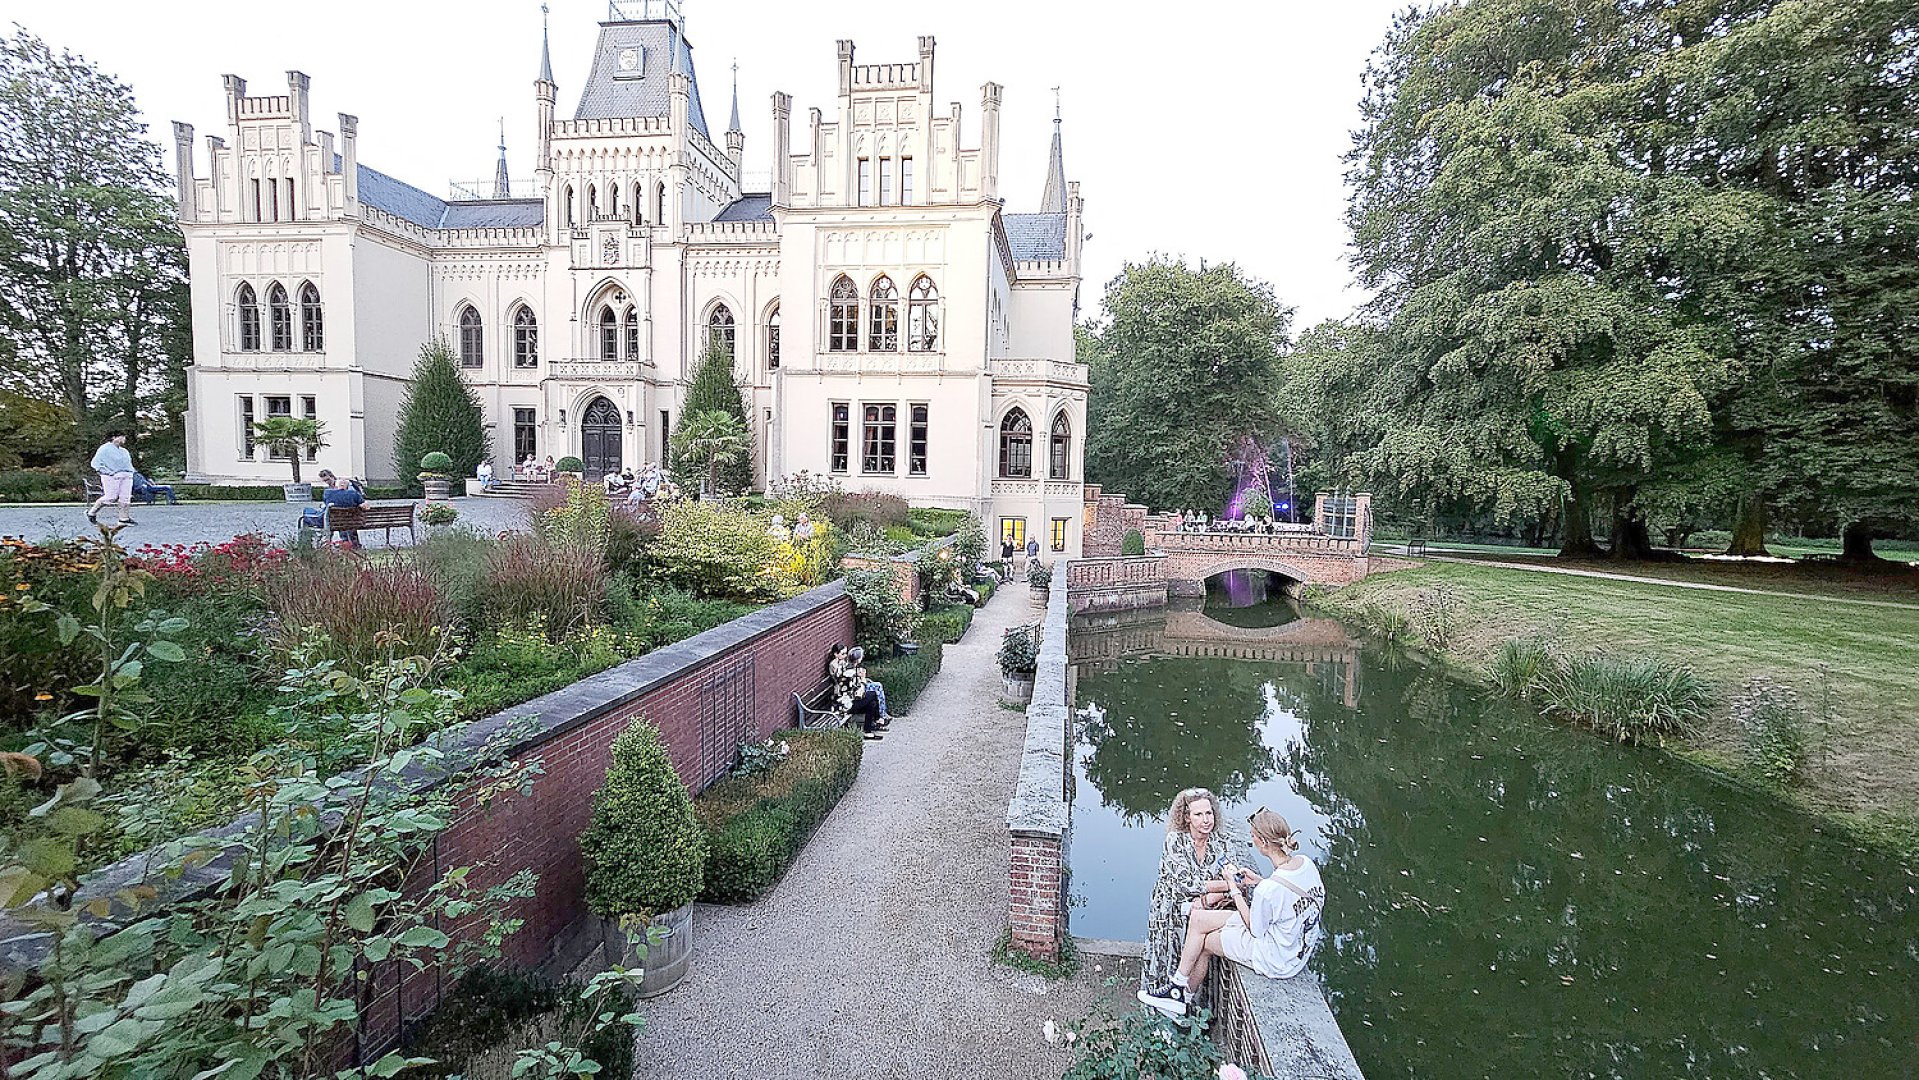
(1013, 531)
(843, 316)
(883, 317)
(472, 338)
(1057, 534)
(877, 439)
(1016, 446)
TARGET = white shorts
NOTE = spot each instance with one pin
(116, 488)
(1237, 942)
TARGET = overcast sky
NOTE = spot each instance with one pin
(1209, 130)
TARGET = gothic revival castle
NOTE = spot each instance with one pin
(891, 323)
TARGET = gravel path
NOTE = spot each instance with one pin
(214, 522)
(871, 958)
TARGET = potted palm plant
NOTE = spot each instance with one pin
(436, 475)
(290, 438)
(645, 861)
(1018, 661)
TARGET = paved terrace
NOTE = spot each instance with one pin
(872, 957)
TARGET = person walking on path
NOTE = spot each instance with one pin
(115, 467)
(1032, 549)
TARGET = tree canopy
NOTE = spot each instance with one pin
(713, 387)
(93, 294)
(1183, 366)
(439, 413)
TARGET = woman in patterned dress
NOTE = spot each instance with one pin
(1189, 872)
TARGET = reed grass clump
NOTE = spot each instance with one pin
(1515, 670)
(1628, 699)
(1773, 725)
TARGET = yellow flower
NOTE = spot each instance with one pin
(43, 696)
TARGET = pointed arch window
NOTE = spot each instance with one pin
(609, 333)
(639, 204)
(1062, 448)
(773, 339)
(659, 203)
(720, 328)
(526, 338)
(883, 316)
(1016, 446)
(472, 348)
(280, 318)
(592, 202)
(249, 304)
(312, 326)
(843, 316)
(923, 316)
(632, 334)
(566, 206)
(612, 204)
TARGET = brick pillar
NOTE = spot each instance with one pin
(1036, 902)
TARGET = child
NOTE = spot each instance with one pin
(1273, 933)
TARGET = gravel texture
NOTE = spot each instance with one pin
(872, 957)
(214, 522)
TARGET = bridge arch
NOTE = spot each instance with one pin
(1202, 571)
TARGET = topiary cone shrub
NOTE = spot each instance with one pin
(645, 852)
(570, 464)
(1132, 543)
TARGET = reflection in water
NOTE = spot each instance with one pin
(1506, 897)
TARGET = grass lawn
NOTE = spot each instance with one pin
(1893, 581)
(1870, 763)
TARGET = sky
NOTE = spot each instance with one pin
(1210, 131)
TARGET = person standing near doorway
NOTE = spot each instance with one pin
(115, 467)
(1032, 549)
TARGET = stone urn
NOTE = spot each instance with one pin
(1016, 687)
(661, 948)
(298, 493)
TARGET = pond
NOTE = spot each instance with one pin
(1506, 897)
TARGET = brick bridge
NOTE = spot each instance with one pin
(1332, 551)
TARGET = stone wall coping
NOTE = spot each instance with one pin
(550, 716)
(1039, 806)
(1296, 1026)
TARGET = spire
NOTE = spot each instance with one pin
(502, 188)
(734, 124)
(546, 51)
(1053, 201)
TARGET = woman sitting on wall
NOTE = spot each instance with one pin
(1272, 931)
(1190, 878)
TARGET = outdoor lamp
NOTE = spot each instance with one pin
(562, 416)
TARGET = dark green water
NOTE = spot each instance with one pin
(1506, 898)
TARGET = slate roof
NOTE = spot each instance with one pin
(612, 94)
(1036, 236)
(750, 206)
(408, 203)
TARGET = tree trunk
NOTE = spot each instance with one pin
(1855, 543)
(1749, 533)
(1576, 537)
(1630, 538)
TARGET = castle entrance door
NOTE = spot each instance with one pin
(600, 438)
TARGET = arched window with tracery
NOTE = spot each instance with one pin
(312, 324)
(632, 333)
(773, 338)
(592, 202)
(923, 316)
(609, 333)
(883, 316)
(472, 338)
(280, 318)
(1062, 447)
(720, 328)
(249, 304)
(843, 316)
(526, 338)
(566, 206)
(1016, 446)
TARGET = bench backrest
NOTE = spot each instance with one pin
(352, 517)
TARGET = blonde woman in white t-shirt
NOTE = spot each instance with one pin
(1273, 931)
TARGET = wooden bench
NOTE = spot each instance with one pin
(816, 707)
(1416, 546)
(338, 519)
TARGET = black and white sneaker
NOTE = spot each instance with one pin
(93, 516)
(1169, 999)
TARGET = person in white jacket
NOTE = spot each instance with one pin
(1273, 931)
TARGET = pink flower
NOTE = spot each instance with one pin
(1229, 1071)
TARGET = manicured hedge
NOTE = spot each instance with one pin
(756, 825)
(946, 624)
(905, 676)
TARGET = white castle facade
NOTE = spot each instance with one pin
(891, 325)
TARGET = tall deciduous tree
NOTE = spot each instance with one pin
(93, 297)
(1183, 367)
(440, 412)
(713, 387)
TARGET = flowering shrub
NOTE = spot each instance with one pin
(723, 552)
(243, 564)
(578, 516)
(876, 507)
(804, 485)
(439, 513)
(527, 578)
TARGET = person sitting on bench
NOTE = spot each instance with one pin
(855, 693)
(341, 493)
(145, 490)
